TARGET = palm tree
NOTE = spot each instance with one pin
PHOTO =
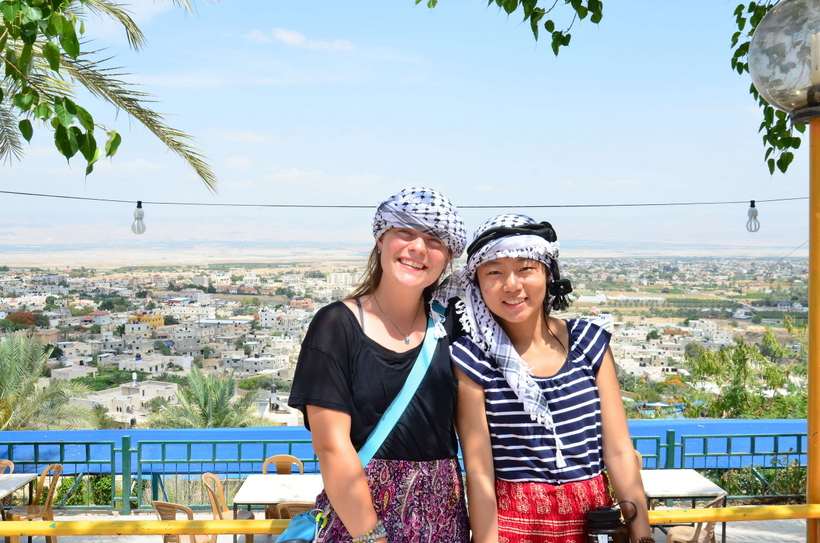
(24, 402)
(88, 69)
(206, 401)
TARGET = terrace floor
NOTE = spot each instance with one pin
(785, 531)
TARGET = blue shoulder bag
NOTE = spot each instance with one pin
(306, 527)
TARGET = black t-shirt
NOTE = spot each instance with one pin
(341, 368)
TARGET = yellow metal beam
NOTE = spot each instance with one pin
(813, 478)
(735, 514)
(186, 527)
(149, 526)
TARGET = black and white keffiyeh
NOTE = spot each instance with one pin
(425, 210)
(478, 322)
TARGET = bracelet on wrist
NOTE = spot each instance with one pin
(646, 539)
(378, 532)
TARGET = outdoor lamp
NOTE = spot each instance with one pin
(752, 224)
(784, 57)
(138, 227)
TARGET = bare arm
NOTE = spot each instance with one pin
(474, 435)
(344, 479)
(619, 454)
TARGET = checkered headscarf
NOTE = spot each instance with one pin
(425, 210)
(479, 323)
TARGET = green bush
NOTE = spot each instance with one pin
(756, 481)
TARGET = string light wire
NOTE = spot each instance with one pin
(361, 206)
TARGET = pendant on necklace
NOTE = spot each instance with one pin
(407, 340)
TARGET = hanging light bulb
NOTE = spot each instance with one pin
(138, 227)
(752, 225)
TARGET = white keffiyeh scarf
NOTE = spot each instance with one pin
(425, 210)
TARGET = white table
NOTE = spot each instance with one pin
(273, 488)
(680, 484)
(269, 489)
(9, 483)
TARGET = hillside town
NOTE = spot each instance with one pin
(133, 335)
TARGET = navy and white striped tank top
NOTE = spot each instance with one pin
(524, 450)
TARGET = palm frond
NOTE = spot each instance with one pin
(11, 147)
(105, 83)
(24, 404)
(118, 12)
(206, 401)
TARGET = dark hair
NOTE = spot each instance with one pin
(372, 276)
(558, 288)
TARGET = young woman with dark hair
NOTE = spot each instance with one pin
(539, 406)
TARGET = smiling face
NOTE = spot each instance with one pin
(514, 289)
(412, 258)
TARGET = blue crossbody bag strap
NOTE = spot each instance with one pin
(402, 400)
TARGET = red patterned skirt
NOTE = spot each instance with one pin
(531, 512)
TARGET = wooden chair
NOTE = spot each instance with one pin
(168, 511)
(703, 532)
(285, 510)
(284, 464)
(6, 466)
(219, 507)
(36, 510)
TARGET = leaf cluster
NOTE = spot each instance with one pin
(781, 136)
(544, 17)
(42, 60)
(36, 38)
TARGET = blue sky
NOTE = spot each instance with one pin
(346, 102)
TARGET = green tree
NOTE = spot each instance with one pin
(24, 405)
(101, 420)
(206, 401)
(693, 349)
(749, 386)
(771, 348)
(781, 136)
(155, 405)
(169, 319)
(653, 334)
(162, 348)
(41, 46)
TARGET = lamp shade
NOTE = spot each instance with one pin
(784, 55)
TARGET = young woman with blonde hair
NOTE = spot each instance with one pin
(355, 361)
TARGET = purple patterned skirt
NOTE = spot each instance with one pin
(418, 502)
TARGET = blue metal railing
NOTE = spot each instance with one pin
(151, 469)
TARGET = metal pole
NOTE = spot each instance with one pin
(126, 476)
(813, 479)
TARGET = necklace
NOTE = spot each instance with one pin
(399, 330)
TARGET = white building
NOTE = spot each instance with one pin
(155, 364)
(72, 372)
(128, 403)
(257, 364)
